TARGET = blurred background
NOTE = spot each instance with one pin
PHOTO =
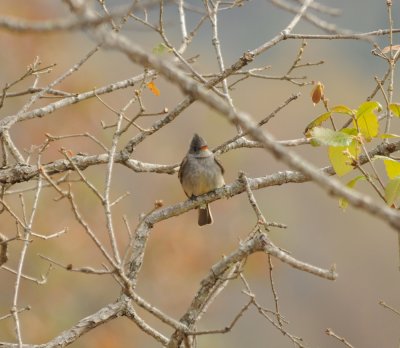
(179, 253)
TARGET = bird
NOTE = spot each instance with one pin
(199, 173)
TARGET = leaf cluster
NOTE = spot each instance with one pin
(347, 144)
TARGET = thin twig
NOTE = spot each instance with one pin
(21, 261)
(329, 332)
(226, 328)
(71, 268)
(385, 305)
(274, 292)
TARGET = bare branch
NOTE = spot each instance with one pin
(3, 249)
(329, 332)
(132, 315)
(104, 315)
(19, 25)
(257, 243)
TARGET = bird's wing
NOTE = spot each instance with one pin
(183, 163)
(220, 165)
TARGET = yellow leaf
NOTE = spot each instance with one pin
(317, 122)
(395, 108)
(367, 119)
(392, 191)
(392, 166)
(342, 109)
(338, 109)
(340, 157)
(368, 125)
(153, 88)
(343, 203)
(367, 107)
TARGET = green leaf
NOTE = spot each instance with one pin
(159, 49)
(392, 166)
(395, 108)
(392, 191)
(350, 131)
(367, 120)
(340, 161)
(314, 142)
(326, 136)
(343, 203)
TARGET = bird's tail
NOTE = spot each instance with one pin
(205, 216)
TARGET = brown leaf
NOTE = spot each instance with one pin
(317, 94)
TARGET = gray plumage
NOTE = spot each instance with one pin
(200, 173)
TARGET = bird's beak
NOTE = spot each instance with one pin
(204, 148)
